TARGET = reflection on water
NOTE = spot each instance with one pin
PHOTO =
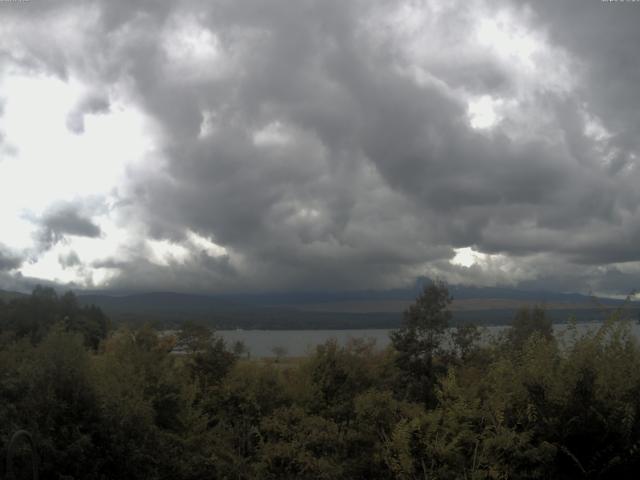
(301, 342)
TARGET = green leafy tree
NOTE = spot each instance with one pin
(60, 405)
(234, 409)
(464, 339)
(336, 375)
(147, 408)
(298, 445)
(32, 317)
(529, 321)
(193, 337)
(419, 340)
(377, 415)
(438, 443)
(210, 365)
(208, 358)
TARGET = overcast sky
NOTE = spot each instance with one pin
(252, 145)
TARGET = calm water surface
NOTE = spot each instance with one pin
(301, 342)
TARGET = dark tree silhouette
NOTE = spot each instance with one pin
(419, 339)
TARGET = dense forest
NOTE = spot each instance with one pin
(125, 403)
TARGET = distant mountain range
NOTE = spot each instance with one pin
(339, 309)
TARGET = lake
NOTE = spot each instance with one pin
(301, 342)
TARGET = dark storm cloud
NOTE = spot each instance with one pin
(66, 220)
(8, 260)
(604, 35)
(322, 144)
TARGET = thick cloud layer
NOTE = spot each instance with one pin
(8, 261)
(351, 144)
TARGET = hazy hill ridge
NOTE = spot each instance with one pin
(340, 309)
(337, 309)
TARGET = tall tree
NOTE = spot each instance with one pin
(527, 322)
(418, 341)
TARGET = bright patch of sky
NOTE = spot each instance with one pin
(483, 113)
(465, 256)
(165, 252)
(468, 257)
(193, 51)
(55, 162)
(48, 267)
(525, 51)
(49, 163)
(510, 40)
(272, 135)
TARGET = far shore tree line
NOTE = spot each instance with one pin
(104, 402)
